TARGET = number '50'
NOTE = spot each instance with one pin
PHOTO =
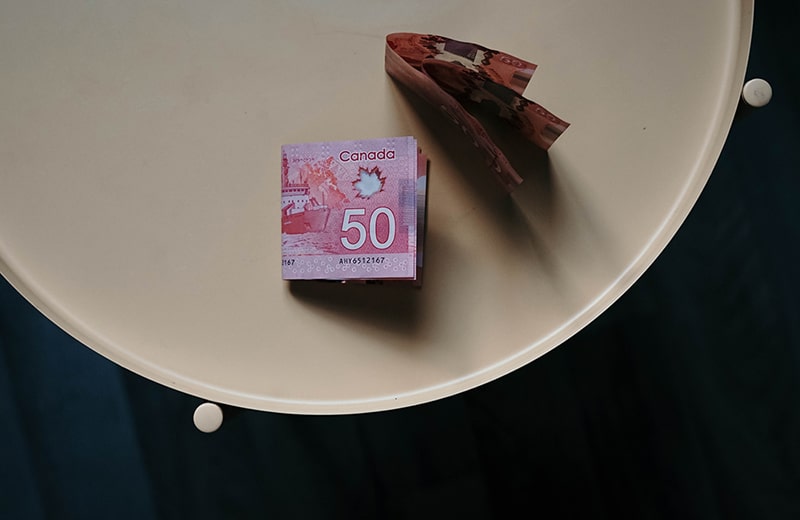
(348, 224)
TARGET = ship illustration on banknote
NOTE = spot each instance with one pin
(300, 212)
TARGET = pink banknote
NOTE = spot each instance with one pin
(450, 74)
(350, 210)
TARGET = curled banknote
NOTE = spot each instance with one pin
(449, 74)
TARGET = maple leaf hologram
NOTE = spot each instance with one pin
(369, 182)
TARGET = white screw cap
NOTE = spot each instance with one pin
(208, 417)
(757, 92)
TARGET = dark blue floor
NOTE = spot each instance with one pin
(681, 401)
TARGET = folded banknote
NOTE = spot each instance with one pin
(450, 74)
(353, 210)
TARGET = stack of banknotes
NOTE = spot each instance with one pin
(353, 211)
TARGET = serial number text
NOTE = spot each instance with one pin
(359, 260)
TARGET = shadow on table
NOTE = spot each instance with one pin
(526, 216)
(391, 308)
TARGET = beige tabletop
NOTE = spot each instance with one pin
(140, 184)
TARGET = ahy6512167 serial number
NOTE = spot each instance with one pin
(359, 260)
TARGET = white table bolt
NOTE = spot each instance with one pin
(757, 92)
(208, 417)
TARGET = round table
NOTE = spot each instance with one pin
(139, 193)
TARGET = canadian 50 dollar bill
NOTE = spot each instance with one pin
(350, 210)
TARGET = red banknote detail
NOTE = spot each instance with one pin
(349, 209)
(447, 73)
